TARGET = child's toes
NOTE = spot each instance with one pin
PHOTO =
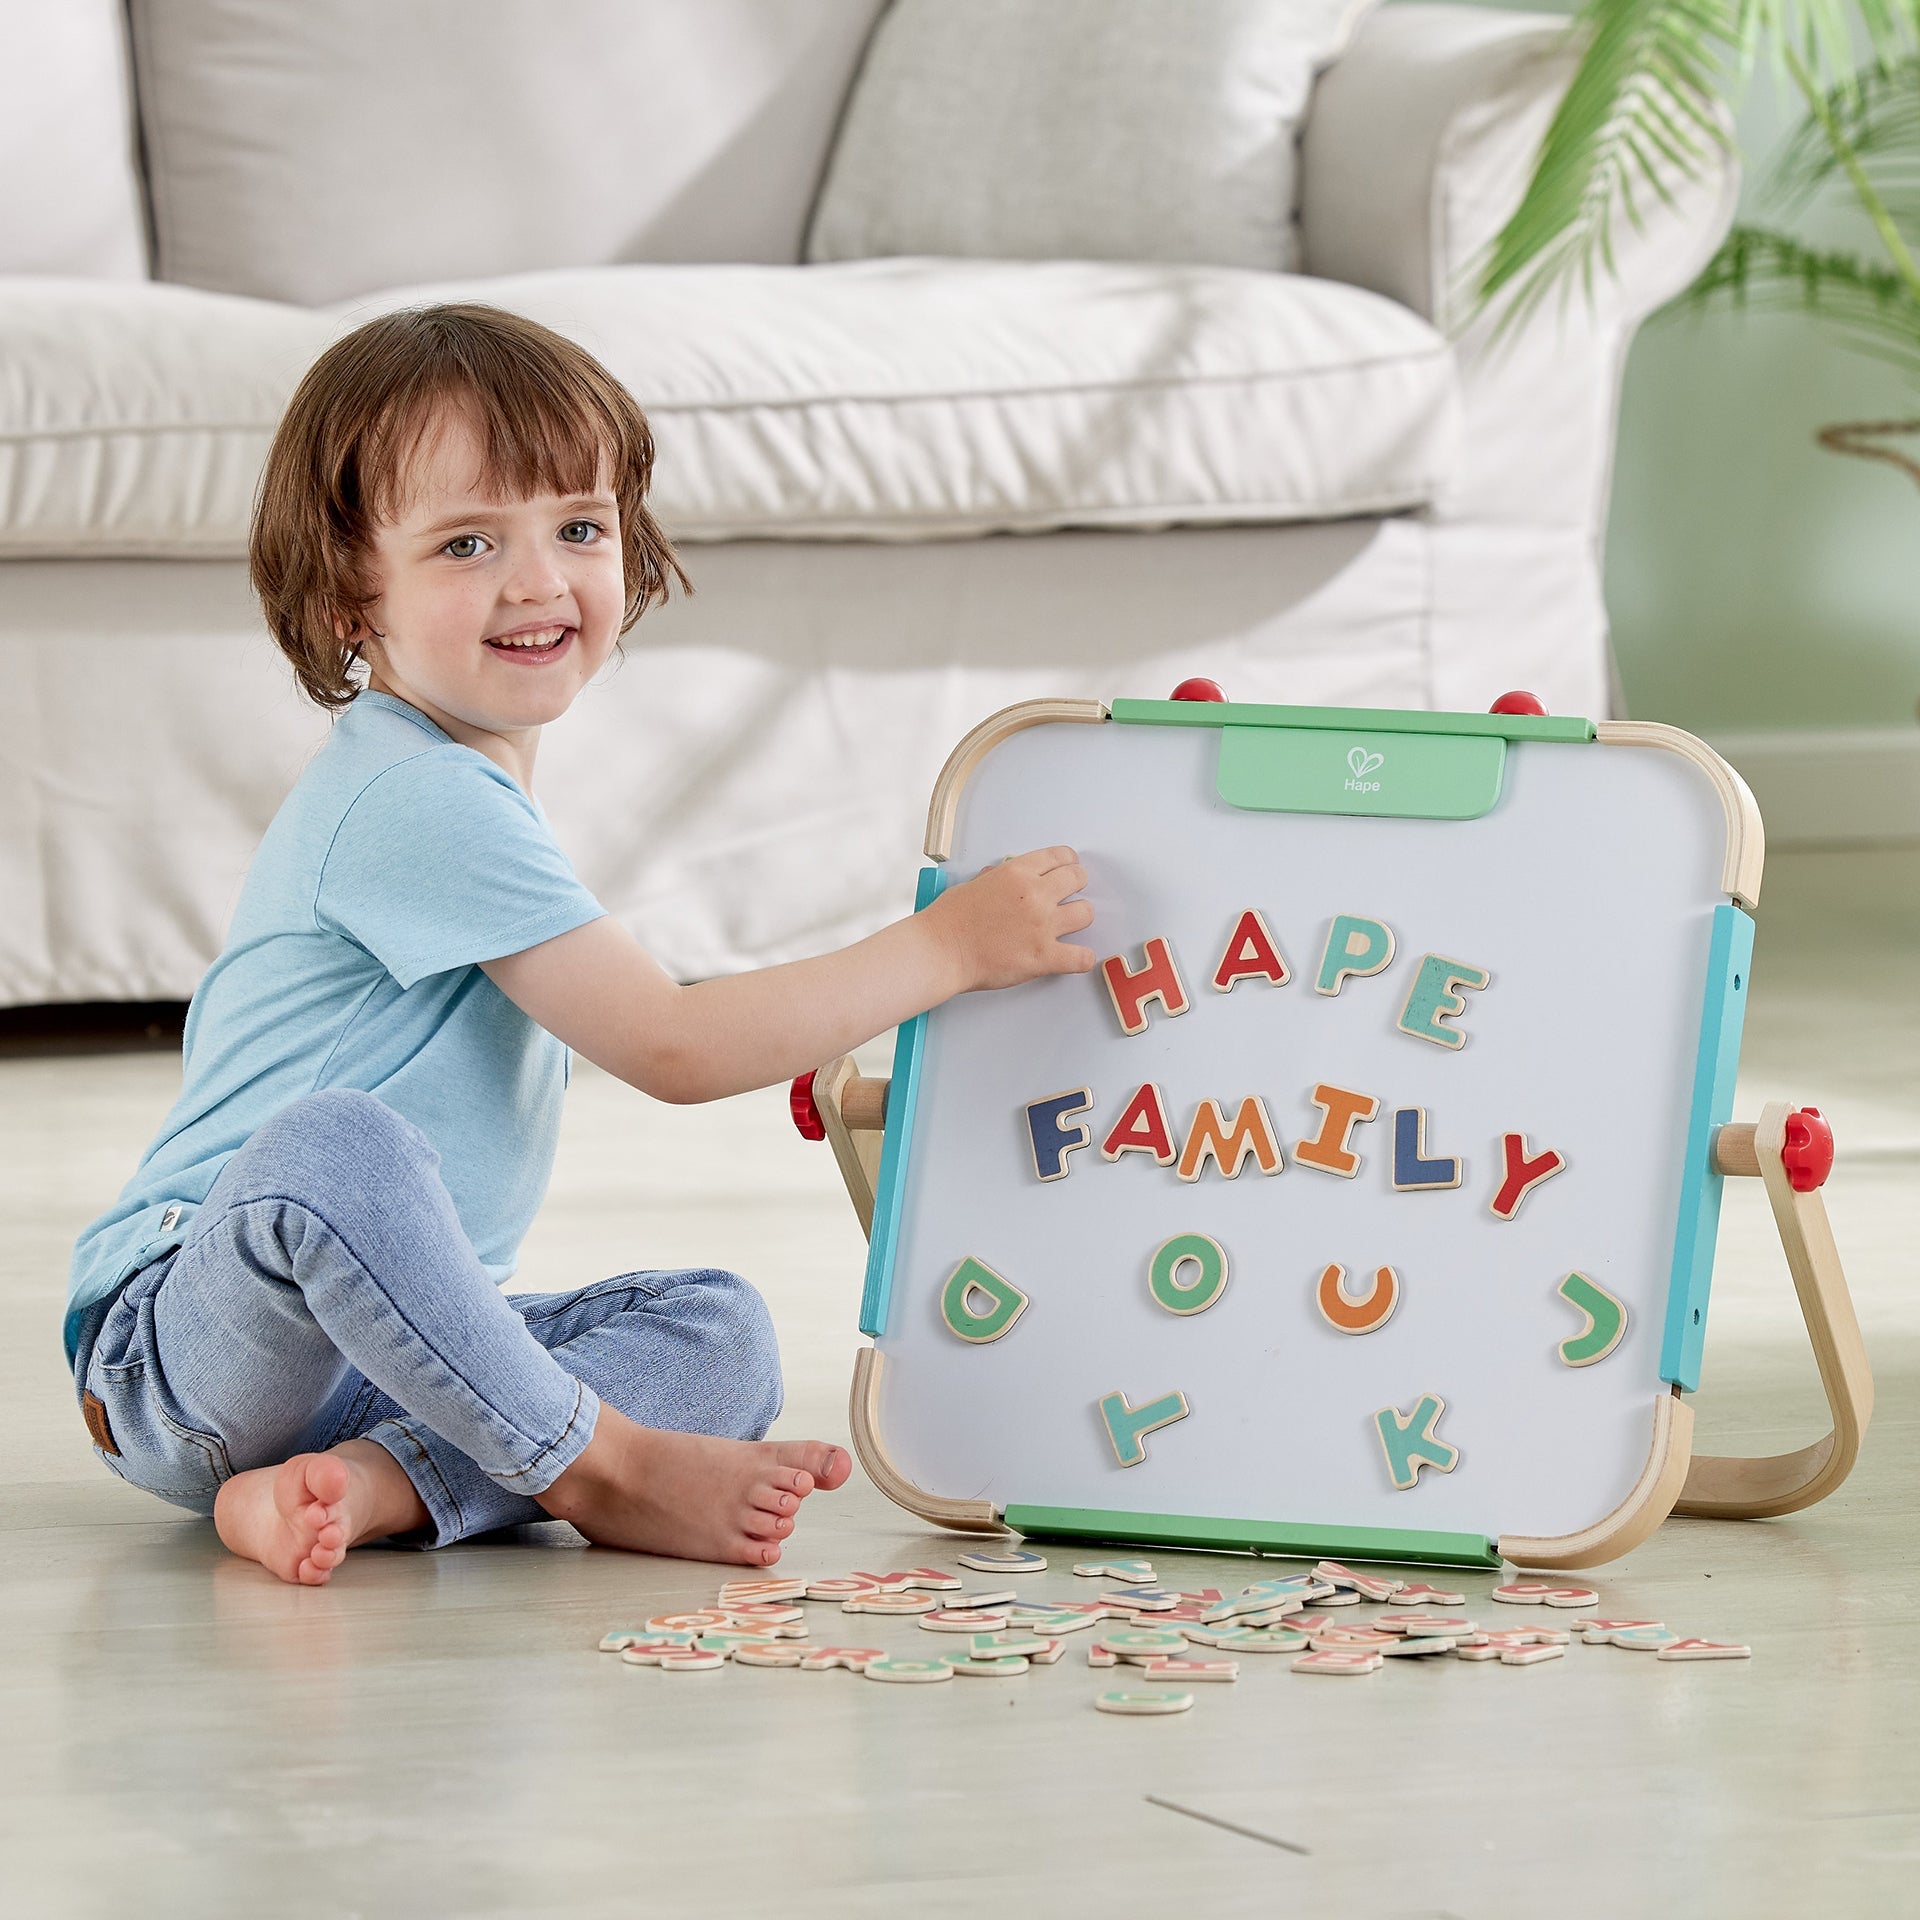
(828, 1465)
(774, 1499)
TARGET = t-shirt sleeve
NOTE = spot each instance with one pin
(442, 862)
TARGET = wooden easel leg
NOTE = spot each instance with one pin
(1733, 1488)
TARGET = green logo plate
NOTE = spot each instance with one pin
(1403, 776)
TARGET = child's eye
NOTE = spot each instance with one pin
(581, 533)
(463, 546)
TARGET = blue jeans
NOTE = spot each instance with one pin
(326, 1291)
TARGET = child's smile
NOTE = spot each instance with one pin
(493, 612)
(531, 645)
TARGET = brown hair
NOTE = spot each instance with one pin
(552, 420)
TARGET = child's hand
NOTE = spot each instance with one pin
(1004, 925)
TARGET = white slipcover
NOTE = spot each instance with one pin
(882, 400)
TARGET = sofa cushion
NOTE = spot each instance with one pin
(892, 400)
(311, 152)
(1079, 129)
(69, 192)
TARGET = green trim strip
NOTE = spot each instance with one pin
(1231, 713)
(1280, 1537)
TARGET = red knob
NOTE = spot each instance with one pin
(1198, 690)
(1519, 702)
(806, 1116)
(1807, 1153)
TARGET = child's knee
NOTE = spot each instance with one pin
(741, 1330)
(338, 1132)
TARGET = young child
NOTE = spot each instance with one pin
(292, 1319)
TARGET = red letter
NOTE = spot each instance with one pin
(1141, 1128)
(1523, 1175)
(1157, 979)
(1250, 955)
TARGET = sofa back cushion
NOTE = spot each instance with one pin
(1092, 129)
(69, 191)
(312, 152)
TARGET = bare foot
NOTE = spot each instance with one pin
(298, 1519)
(688, 1494)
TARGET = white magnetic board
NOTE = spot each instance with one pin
(1587, 894)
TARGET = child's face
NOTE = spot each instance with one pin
(462, 576)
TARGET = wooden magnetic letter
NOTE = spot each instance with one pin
(1251, 955)
(1522, 1175)
(1606, 1321)
(1410, 1442)
(1141, 1128)
(1202, 1287)
(1209, 1135)
(1157, 978)
(1128, 1426)
(1432, 1000)
(1356, 946)
(1051, 1140)
(977, 1325)
(1340, 1111)
(1367, 1314)
(1413, 1172)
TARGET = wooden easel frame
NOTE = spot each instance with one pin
(852, 1112)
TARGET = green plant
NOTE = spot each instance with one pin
(1646, 109)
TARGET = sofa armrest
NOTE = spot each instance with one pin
(1417, 148)
(1418, 144)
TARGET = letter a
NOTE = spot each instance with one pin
(1156, 979)
(1141, 1128)
(1250, 955)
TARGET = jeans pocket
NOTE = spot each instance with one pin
(158, 1451)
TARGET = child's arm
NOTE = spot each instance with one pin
(597, 989)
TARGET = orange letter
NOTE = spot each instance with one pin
(1373, 1309)
(1251, 1133)
(1328, 1148)
(1523, 1175)
(1141, 1128)
(1157, 979)
(1250, 955)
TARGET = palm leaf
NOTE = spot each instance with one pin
(1761, 271)
(1878, 115)
(1643, 113)
(1640, 109)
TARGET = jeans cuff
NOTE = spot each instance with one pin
(408, 1445)
(552, 1461)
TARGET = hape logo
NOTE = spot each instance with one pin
(1363, 763)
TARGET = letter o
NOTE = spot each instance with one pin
(1197, 1294)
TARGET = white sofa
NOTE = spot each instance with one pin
(909, 489)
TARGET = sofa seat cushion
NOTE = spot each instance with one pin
(892, 400)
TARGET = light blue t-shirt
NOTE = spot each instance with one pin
(398, 862)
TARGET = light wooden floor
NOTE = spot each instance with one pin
(434, 1734)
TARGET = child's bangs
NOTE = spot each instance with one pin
(536, 440)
